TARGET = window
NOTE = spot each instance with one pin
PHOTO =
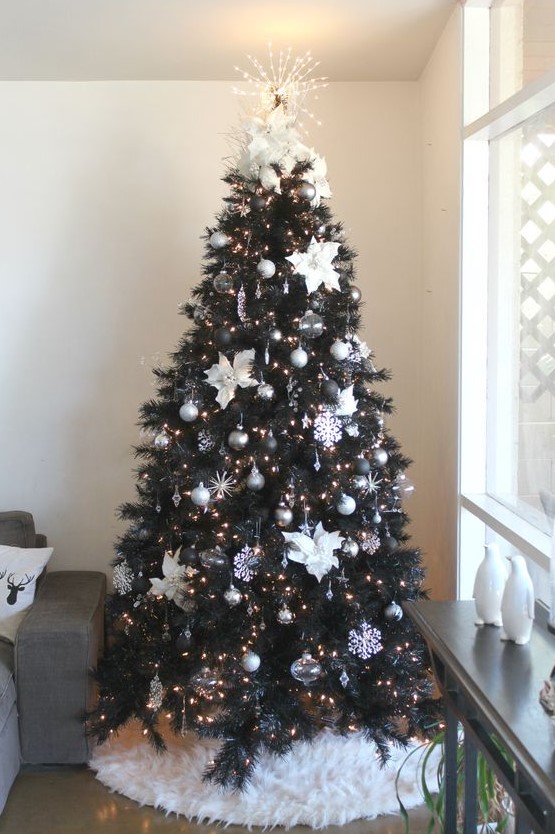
(508, 293)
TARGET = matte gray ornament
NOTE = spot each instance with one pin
(162, 440)
(390, 544)
(233, 596)
(218, 240)
(200, 496)
(306, 191)
(255, 480)
(283, 515)
(266, 268)
(311, 325)
(250, 661)
(346, 504)
(188, 556)
(223, 283)
(238, 439)
(393, 612)
(355, 293)
(380, 457)
(306, 669)
(188, 411)
(299, 358)
(350, 548)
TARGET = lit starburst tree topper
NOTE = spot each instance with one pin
(286, 82)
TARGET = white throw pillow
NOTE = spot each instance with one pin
(20, 567)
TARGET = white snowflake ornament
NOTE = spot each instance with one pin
(365, 642)
(226, 377)
(327, 429)
(316, 554)
(315, 265)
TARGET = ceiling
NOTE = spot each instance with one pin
(354, 40)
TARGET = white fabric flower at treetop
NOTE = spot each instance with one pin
(273, 141)
(173, 584)
(315, 554)
(226, 377)
(346, 403)
(316, 175)
(315, 265)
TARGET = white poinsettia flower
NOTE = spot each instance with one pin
(226, 377)
(174, 580)
(316, 554)
(315, 265)
(346, 403)
(361, 346)
(317, 175)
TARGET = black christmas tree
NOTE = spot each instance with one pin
(259, 583)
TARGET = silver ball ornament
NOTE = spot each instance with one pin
(360, 482)
(265, 391)
(285, 616)
(346, 504)
(306, 191)
(238, 439)
(218, 240)
(380, 457)
(283, 515)
(276, 335)
(350, 548)
(376, 518)
(214, 558)
(162, 440)
(355, 293)
(393, 611)
(266, 268)
(339, 350)
(188, 412)
(250, 661)
(299, 358)
(223, 283)
(233, 596)
(200, 496)
(306, 669)
(311, 325)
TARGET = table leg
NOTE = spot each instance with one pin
(451, 744)
(470, 786)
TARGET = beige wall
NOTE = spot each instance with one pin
(106, 189)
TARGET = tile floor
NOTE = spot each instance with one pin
(71, 801)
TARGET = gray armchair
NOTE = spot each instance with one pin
(45, 681)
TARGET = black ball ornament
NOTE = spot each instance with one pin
(140, 584)
(390, 544)
(223, 337)
(184, 641)
(268, 444)
(361, 466)
(188, 556)
(257, 202)
(330, 389)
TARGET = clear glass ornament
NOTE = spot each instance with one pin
(305, 669)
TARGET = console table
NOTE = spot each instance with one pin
(492, 688)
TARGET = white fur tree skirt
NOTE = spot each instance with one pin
(330, 781)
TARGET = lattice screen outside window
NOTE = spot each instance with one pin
(537, 311)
